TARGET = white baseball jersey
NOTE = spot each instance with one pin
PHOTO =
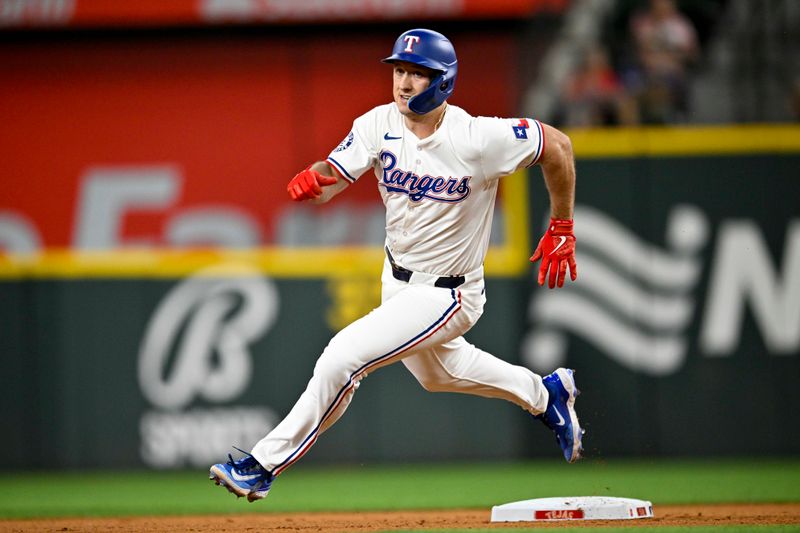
(439, 191)
(439, 194)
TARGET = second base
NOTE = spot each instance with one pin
(572, 508)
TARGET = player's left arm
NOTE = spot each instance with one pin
(556, 248)
(558, 166)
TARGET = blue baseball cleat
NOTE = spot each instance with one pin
(245, 477)
(560, 414)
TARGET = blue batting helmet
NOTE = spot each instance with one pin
(433, 50)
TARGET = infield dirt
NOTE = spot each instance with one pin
(665, 515)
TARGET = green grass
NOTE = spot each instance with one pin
(639, 529)
(308, 488)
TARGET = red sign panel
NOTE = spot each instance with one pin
(155, 13)
(189, 141)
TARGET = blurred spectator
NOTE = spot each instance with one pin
(666, 44)
(595, 96)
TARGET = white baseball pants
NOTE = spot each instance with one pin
(420, 324)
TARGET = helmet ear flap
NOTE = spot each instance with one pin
(432, 97)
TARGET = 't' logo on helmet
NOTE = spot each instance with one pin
(410, 40)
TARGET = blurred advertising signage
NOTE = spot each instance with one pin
(689, 243)
(198, 346)
(145, 13)
(134, 220)
(639, 308)
(164, 146)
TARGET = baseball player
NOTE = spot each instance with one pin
(437, 170)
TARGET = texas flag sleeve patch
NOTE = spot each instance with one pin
(521, 129)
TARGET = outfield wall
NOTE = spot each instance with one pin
(688, 304)
(684, 327)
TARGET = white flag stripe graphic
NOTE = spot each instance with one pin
(654, 355)
(637, 304)
(633, 299)
(599, 233)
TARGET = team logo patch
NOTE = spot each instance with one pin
(410, 40)
(521, 129)
(345, 144)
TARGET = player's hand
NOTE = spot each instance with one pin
(308, 185)
(557, 251)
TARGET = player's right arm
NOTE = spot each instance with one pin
(323, 180)
(318, 183)
(329, 191)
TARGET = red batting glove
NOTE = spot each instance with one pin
(308, 184)
(557, 250)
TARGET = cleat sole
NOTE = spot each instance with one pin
(567, 378)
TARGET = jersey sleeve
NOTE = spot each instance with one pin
(357, 153)
(508, 144)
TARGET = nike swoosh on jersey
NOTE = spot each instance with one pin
(388, 137)
(563, 240)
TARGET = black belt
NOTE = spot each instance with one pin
(403, 274)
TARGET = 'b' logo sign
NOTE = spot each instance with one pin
(198, 341)
(410, 40)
